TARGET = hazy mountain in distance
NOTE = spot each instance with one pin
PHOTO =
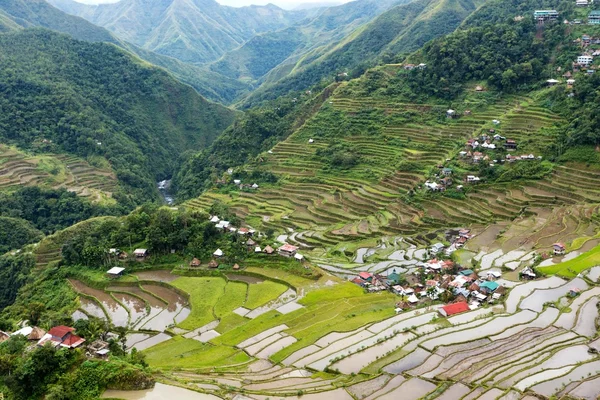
(17, 14)
(194, 31)
(316, 4)
(276, 53)
(401, 29)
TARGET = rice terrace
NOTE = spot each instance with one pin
(398, 200)
(378, 285)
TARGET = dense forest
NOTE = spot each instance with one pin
(92, 99)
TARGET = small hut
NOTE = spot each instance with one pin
(236, 267)
(269, 250)
(213, 264)
(195, 262)
(4, 336)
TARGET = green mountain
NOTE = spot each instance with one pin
(282, 49)
(195, 31)
(96, 101)
(16, 14)
(399, 30)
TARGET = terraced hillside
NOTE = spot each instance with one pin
(392, 148)
(338, 342)
(55, 171)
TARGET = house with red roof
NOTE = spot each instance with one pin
(287, 250)
(453, 309)
(366, 276)
(62, 336)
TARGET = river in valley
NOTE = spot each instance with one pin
(164, 187)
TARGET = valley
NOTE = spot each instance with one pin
(401, 200)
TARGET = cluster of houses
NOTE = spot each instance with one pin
(543, 16)
(457, 241)
(286, 250)
(138, 254)
(59, 337)
(441, 182)
(239, 184)
(433, 279)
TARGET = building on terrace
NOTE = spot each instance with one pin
(594, 17)
(543, 16)
(559, 249)
(453, 309)
(287, 250)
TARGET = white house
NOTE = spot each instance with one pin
(237, 181)
(218, 253)
(585, 59)
(436, 248)
(472, 178)
(214, 219)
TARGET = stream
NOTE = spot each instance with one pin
(164, 187)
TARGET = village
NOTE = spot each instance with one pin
(442, 280)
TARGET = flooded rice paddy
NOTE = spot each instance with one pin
(117, 314)
(159, 392)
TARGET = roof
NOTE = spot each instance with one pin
(72, 341)
(269, 250)
(466, 272)
(218, 252)
(365, 275)
(103, 352)
(288, 248)
(60, 331)
(298, 256)
(489, 285)
(195, 262)
(456, 308)
(4, 336)
(115, 270)
(561, 245)
(213, 264)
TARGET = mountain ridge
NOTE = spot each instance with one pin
(172, 27)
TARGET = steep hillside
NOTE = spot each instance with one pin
(28, 13)
(357, 169)
(401, 29)
(195, 31)
(282, 49)
(96, 101)
(16, 14)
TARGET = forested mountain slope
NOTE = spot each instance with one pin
(16, 14)
(98, 102)
(399, 30)
(281, 50)
(195, 31)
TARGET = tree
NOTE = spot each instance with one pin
(35, 311)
